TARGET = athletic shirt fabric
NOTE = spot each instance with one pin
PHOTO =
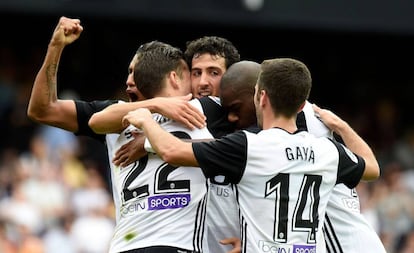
(345, 228)
(156, 203)
(84, 111)
(303, 169)
(222, 219)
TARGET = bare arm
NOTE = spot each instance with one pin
(44, 105)
(167, 146)
(352, 140)
(109, 120)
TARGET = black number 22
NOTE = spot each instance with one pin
(162, 185)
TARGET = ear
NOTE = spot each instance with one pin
(263, 99)
(174, 79)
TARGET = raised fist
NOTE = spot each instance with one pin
(67, 31)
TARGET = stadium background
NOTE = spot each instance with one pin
(359, 54)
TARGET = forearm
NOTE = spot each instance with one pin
(44, 87)
(168, 147)
(109, 120)
(357, 145)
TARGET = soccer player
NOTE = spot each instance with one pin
(209, 57)
(161, 207)
(45, 107)
(345, 228)
(284, 176)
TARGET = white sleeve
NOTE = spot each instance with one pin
(314, 124)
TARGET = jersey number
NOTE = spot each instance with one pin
(162, 184)
(308, 200)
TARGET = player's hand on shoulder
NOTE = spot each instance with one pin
(67, 31)
(330, 119)
(180, 110)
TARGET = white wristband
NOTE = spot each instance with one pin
(148, 146)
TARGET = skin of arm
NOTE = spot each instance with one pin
(170, 148)
(176, 108)
(44, 106)
(352, 141)
(177, 152)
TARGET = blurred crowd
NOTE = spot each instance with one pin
(55, 191)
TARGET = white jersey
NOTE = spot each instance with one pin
(158, 204)
(222, 215)
(281, 177)
(345, 228)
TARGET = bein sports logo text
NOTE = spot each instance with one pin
(270, 247)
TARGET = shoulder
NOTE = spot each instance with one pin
(307, 120)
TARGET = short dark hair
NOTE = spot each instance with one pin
(287, 82)
(213, 45)
(155, 61)
(241, 75)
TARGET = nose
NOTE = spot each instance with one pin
(130, 80)
(204, 79)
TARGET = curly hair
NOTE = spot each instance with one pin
(213, 45)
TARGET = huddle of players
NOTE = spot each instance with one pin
(165, 207)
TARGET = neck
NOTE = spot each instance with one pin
(288, 124)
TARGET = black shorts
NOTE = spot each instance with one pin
(159, 249)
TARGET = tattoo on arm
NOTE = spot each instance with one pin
(51, 78)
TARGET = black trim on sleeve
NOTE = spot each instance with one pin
(84, 111)
(349, 171)
(226, 156)
(217, 122)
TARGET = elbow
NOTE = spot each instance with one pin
(95, 125)
(36, 115)
(169, 157)
(31, 115)
(372, 171)
(173, 156)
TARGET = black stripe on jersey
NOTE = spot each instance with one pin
(331, 240)
(301, 122)
(199, 225)
(243, 233)
(243, 224)
(217, 122)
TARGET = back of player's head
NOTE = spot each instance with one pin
(150, 45)
(287, 82)
(213, 45)
(155, 61)
(241, 76)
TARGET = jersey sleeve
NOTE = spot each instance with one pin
(350, 167)
(226, 156)
(217, 122)
(308, 121)
(84, 111)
